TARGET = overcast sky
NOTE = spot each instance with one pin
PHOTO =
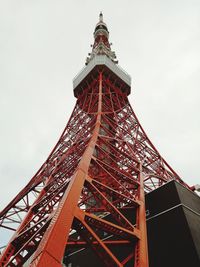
(43, 45)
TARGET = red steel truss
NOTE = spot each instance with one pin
(102, 165)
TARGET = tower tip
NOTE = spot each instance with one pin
(101, 17)
(101, 44)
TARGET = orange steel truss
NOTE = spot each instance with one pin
(102, 165)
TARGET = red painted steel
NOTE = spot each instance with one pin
(102, 165)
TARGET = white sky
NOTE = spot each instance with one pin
(44, 43)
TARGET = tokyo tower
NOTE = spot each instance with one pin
(101, 167)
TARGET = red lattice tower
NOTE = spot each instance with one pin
(102, 165)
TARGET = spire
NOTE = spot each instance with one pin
(101, 44)
(101, 17)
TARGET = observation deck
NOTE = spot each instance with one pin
(107, 64)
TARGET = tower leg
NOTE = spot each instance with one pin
(141, 250)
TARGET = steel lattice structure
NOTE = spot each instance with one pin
(102, 164)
